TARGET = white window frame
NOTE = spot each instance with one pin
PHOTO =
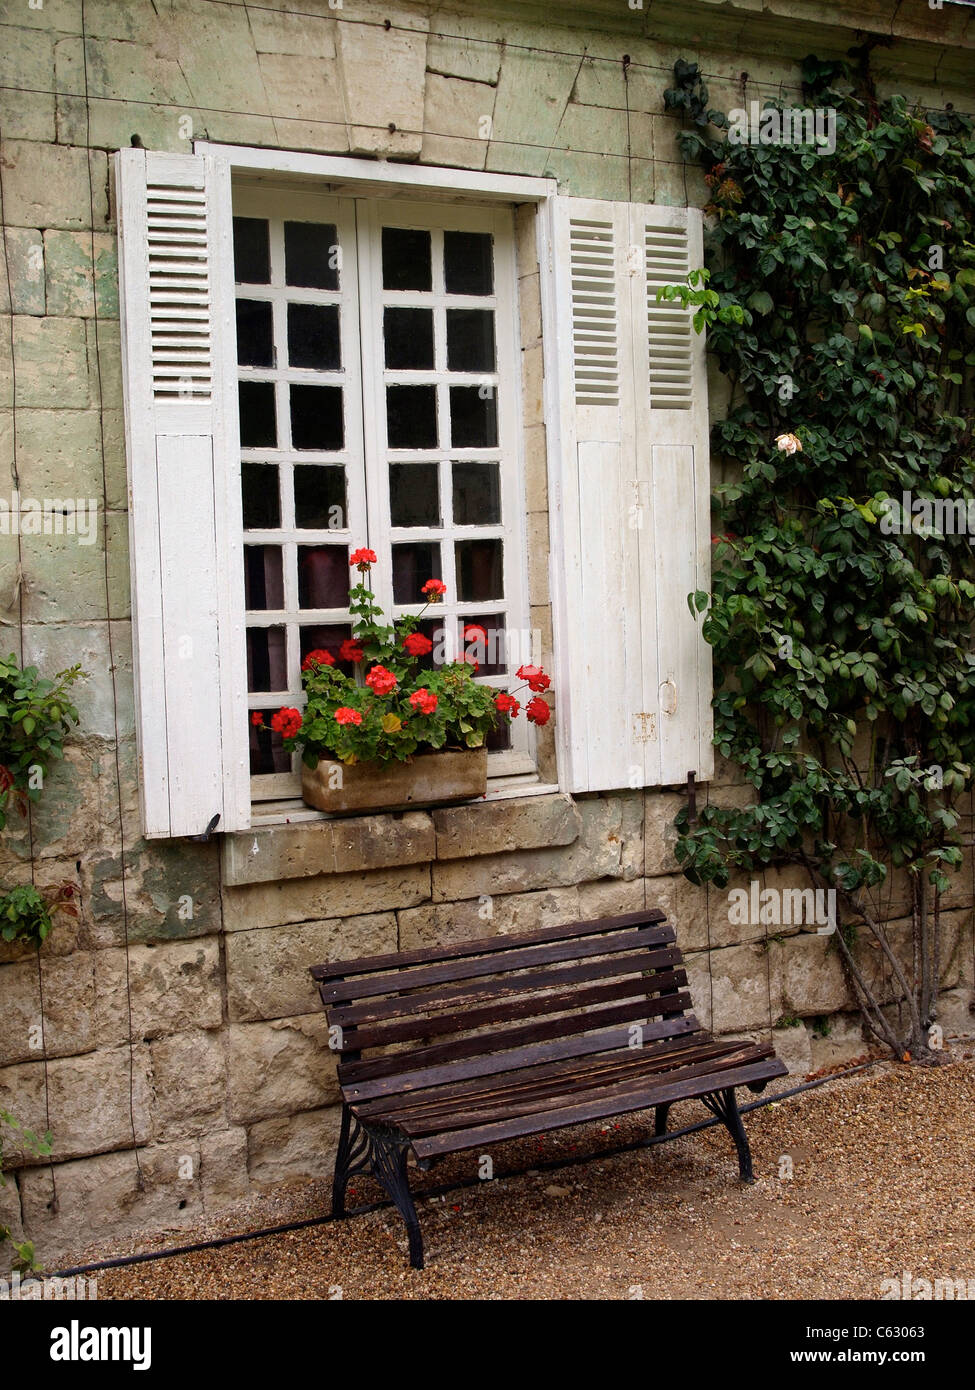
(325, 174)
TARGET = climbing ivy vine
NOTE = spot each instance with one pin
(840, 303)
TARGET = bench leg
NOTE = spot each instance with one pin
(352, 1150)
(725, 1106)
(389, 1153)
(660, 1114)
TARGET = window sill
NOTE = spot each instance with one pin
(291, 840)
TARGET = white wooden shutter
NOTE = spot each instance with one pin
(182, 441)
(631, 489)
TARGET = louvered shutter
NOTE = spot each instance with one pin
(176, 275)
(630, 500)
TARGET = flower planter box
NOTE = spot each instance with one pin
(428, 779)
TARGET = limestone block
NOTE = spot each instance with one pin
(498, 827)
(171, 892)
(52, 362)
(173, 987)
(267, 970)
(47, 185)
(348, 845)
(68, 1018)
(295, 1146)
(659, 832)
(89, 1103)
(327, 896)
(812, 977)
(223, 1168)
(835, 1039)
(745, 994)
(59, 454)
(25, 253)
(69, 287)
(383, 73)
(306, 98)
(457, 122)
(279, 1068)
(533, 90)
(189, 1084)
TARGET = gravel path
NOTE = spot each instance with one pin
(882, 1181)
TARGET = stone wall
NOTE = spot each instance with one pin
(183, 1059)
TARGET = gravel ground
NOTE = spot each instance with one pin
(881, 1182)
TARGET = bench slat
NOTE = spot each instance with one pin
(545, 1030)
(521, 1006)
(500, 987)
(361, 1081)
(486, 945)
(640, 1096)
(343, 991)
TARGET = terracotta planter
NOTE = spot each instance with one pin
(428, 779)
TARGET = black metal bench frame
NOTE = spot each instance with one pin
(583, 989)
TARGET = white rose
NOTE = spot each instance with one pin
(789, 443)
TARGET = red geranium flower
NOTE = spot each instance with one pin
(470, 659)
(319, 657)
(417, 644)
(380, 680)
(473, 632)
(362, 559)
(535, 677)
(434, 590)
(257, 718)
(286, 722)
(351, 651)
(537, 710)
(423, 701)
(506, 704)
(344, 715)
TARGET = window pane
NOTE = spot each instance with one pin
(252, 251)
(470, 340)
(489, 650)
(408, 334)
(258, 420)
(319, 497)
(310, 257)
(467, 263)
(266, 664)
(323, 576)
(411, 417)
(313, 336)
(262, 505)
(316, 417)
(479, 570)
(255, 339)
(414, 494)
(499, 739)
(406, 259)
(328, 637)
(413, 564)
(473, 417)
(267, 749)
(263, 577)
(477, 494)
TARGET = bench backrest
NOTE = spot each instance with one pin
(548, 993)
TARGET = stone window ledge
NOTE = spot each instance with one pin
(540, 819)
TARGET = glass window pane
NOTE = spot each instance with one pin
(411, 417)
(467, 263)
(487, 647)
(499, 739)
(313, 336)
(479, 570)
(310, 255)
(477, 494)
(319, 497)
(414, 494)
(328, 637)
(262, 505)
(323, 576)
(470, 340)
(263, 577)
(258, 419)
(252, 251)
(413, 564)
(255, 337)
(473, 417)
(267, 749)
(408, 334)
(406, 259)
(267, 668)
(316, 417)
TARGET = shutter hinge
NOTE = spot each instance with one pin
(645, 727)
(202, 839)
(691, 800)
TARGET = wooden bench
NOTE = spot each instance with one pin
(515, 1035)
